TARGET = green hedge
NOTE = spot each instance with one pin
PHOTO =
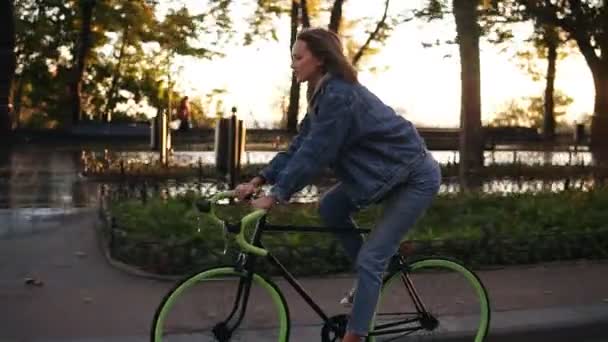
(122, 168)
(168, 236)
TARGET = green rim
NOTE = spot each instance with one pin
(484, 303)
(276, 296)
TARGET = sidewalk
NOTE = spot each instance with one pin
(83, 298)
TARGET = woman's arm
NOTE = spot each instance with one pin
(276, 165)
(320, 147)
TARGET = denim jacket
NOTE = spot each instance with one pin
(347, 128)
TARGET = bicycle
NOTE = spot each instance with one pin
(245, 285)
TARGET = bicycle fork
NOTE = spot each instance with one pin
(223, 330)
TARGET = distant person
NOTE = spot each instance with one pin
(183, 114)
(377, 155)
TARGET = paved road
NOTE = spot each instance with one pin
(83, 298)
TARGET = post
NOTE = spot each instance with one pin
(232, 134)
(236, 141)
(229, 147)
(153, 134)
(221, 146)
(7, 64)
(164, 139)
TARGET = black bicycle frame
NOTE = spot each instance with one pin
(246, 264)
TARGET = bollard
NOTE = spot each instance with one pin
(579, 134)
(144, 193)
(200, 169)
(229, 147)
(164, 142)
(122, 169)
(160, 136)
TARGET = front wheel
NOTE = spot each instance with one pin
(435, 298)
(222, 304)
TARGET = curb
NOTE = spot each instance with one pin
(126, 268)
(555, 324)
(567, 324)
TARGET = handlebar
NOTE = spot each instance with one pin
(249, 221)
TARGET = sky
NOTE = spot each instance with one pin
(422, 84)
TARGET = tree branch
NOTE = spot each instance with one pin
(576, 26)
(371, 36)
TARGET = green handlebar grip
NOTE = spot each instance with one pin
(247, 222)
(223, 195)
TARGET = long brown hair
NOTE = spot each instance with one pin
(327, 47)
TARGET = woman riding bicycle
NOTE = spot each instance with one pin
(377, 156)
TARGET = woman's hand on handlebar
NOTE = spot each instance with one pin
(264, 202)
(245, 190)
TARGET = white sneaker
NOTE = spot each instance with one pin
(347, 300)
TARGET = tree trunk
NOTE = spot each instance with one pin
(7, 63)
(107, 113)
(336, 16)
(305, 15)
(471, 140)
(294, 90)
(293, 110)
(82, 51)
(599, 123)
(17, 99)
(600, 78)
(549, 105)
(599, 70)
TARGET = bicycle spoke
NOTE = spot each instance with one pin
(204, 310)
(449, 295)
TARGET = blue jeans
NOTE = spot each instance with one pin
(403, 205)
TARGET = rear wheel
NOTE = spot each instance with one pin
(452, 300)
(208, 307)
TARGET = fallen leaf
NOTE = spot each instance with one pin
(80, 254)
(33, 282)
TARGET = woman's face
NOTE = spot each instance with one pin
(306, 66)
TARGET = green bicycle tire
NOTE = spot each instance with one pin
(445, 264)
(217, 273)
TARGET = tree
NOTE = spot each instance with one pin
(548, 42)
(336, 16)
(294, 90)
(301, 11)
(551, 40)
(468, 32)
(471, 139)
(380, 33)
(141, 65)
(81, 53)
(587, 23)
(43, 41)
(7, 62)
(530, 111)
(132, 22)
(47, 58)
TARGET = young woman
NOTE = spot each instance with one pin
(377, 155)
